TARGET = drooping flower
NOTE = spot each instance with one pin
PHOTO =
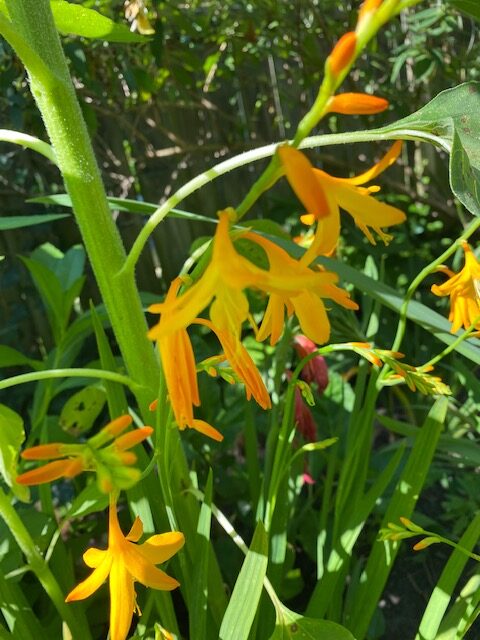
(463, 289)
(125, 563)
(289, 284)
(340, 193)
(110, 460)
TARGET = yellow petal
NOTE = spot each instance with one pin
(136, 532)
(326, 236)
(161, 547)
(366, 210)
(93, 582)
(203, 427)
(273, 320)
(122, 600)
(299, 173)
(93, 558)
(387, 160)
(145, 572)
(312, 317)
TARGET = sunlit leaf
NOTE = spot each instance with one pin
(12, 436)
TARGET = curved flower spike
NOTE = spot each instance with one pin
(126, 563)
(110, 462)
(463, 289)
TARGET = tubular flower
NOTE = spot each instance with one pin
(344, 193)
(126, 563)
(109, 462)
(463, 291)
(356, 104)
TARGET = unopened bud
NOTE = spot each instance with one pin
(342, 53)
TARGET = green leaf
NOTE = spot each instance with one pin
(90, 500)
(81, 410)
(136, 206)
(10, 357)
(470, 7)
(243, 604)
(453, 116)
(116, 398)
(80, 21)
(12, 436)
(407, 491)
(294, 626)
(17, 222)
(440, 598)
(199, 600)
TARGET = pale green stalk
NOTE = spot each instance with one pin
(34, 376)
(29, 142)
(39, 567)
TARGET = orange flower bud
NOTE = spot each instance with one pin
(73, 467)
(115, 427)
(153, 405)
(47, 473)
(342, 53)
(127, 457)
(132, 438)
(44, 452)
(356, 104)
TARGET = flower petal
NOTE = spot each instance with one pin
(136, 532)
(143, 571)
(299, 173)
(162, 546)
(93, 582)
(93, 558)
(312, 317)
(206, 429)
(122, 600)
(387, 160)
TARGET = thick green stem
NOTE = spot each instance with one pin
(56, 99)
(39, 567)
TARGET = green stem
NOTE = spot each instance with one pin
(453, 345)
(69, 373)
(56, 99)
(39, 567)
(29, 142)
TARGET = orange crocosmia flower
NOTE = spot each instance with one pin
(344, 193)
(342, 53)
(126, 563)
(356, 104)
(463, 289)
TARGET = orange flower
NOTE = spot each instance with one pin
(344, 193)
(463, 289)
(367, 10)
(109, 462)
(356, 104)
(127, 563)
